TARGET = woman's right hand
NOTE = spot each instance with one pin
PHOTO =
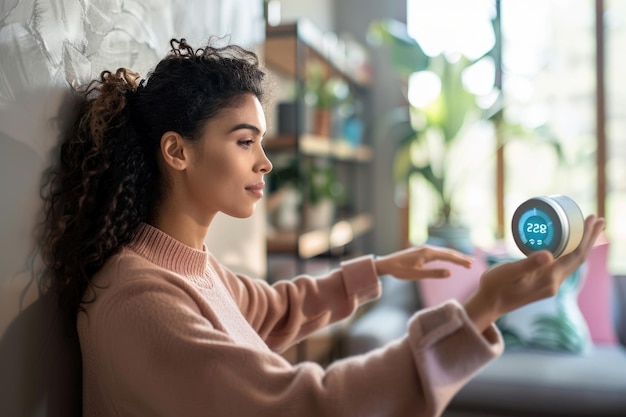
(510, 285)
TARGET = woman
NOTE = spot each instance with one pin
(166, 330)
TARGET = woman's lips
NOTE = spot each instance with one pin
(256, 189)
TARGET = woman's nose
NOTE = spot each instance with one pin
(265, 164)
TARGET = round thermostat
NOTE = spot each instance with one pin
(554, 223)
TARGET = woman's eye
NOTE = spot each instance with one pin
(246, 142)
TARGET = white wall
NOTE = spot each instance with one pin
(44, 47)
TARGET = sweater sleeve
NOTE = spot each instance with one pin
(157, 355)
(289, 310)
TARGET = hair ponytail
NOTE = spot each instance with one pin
(93, 199)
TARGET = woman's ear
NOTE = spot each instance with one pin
(173, 151)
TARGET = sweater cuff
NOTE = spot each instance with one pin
(448, 350)
(360, 278)
(450, 320)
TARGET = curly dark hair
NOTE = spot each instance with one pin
(107, 179)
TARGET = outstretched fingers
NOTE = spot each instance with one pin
(432, 273)
(430, 254)
(410, 263)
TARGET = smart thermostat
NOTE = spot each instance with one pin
(554, 223)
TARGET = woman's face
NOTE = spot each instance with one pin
(227, 168)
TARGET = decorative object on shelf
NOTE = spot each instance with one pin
(291, 117)
(324, 93)
(352, 127)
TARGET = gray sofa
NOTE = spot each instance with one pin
(519, 383)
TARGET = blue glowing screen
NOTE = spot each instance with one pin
(536, 229)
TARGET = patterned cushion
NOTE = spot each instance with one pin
(553, 324)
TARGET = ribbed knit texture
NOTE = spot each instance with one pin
(163, 250)
(174, 333)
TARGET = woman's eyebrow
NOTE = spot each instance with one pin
(246, 126)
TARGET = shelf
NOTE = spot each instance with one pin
(316, 242)
(281, 50)
(313, 145)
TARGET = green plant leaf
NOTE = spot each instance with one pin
(442, 119)
(402, 162)
(321, 182)
(407, 55)
(426, 171)
(455, 103)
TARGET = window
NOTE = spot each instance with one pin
(615, 38)
(550, 110)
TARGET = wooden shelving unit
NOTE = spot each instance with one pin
(290, 51)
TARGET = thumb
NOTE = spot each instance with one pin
(540, 258)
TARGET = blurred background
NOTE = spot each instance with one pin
(389, 124)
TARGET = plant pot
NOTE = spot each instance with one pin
(323, 123)
(287, 215)
(447, 235)
(320, 215)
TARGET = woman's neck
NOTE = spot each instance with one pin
(183, 226)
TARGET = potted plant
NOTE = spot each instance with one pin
(323, 93)
(428, 132)
(323, 193)
(317, 188)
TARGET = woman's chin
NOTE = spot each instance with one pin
(242, 214)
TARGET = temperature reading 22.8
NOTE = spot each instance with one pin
(540, 228)
(536, 229)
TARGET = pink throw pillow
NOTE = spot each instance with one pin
(461, 283)
(594, 299)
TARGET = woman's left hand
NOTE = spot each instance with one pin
(409, 263)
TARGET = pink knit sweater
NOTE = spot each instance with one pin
(173, 333)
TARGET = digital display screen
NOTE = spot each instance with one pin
(536, 229)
